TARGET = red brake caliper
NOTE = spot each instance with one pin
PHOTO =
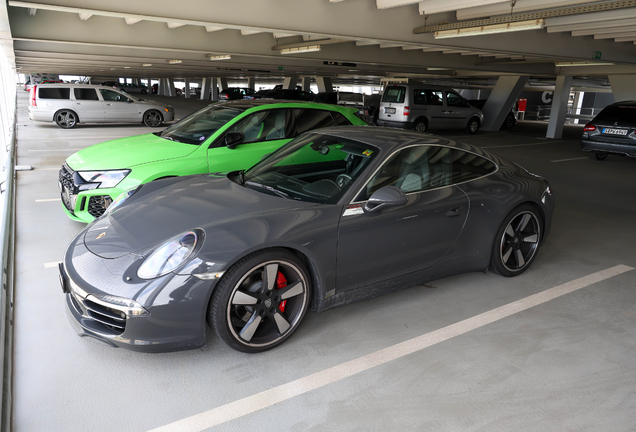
(281, 282)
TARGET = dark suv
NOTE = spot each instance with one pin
(611, 131)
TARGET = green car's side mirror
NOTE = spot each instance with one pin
(233, 139)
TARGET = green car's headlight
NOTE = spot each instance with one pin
(104, 179)
(121, 198)
(170, 255)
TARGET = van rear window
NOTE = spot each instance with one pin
(55, 93)
(394, 94)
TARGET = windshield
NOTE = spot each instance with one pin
(314, 168)
(199, 126)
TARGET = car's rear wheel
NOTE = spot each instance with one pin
(517, 241)
(599, 156)
(66, 119)
(260, 301)
(510, 121)
(473, 126)
(153, 118)
(144, 91)
(420, 126)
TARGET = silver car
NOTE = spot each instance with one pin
(422, 107)
(70, 104)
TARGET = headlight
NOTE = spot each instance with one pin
(170, 255)
(106, 179)
(120, 304)
(121, 198)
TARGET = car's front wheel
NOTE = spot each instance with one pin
(153, 118)
(517, 241)
(473, 126)
(66, 119)
(260, 301)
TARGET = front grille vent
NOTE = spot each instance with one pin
(112, 319)
(97, 205)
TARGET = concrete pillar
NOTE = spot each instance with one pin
(324, 84)
(559, 107)
(290, 83)
(251, 82)
(161, 89)
(187, 88)
(205, 89)
(215, 89)
(623, 86)
(501, 100)
(223, 84)
(170, 88)
(149, 85)
(307, 84)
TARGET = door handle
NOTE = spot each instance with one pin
(454, 212)
(77, 103)
(109, 104)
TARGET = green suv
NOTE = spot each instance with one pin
(222, 137)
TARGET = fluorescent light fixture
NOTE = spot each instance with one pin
(312, 48)
(437, 69)
(147, 64)
(491, 29)
(219, 57)
(126, 67)
(567, 64)
(175, 61)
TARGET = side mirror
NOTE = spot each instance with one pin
(387, 196)
(233, 139)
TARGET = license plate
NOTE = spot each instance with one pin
(389, 110)
(610, 131)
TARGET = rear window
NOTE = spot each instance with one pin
(394, 94)
(618, 113)
(55, 93)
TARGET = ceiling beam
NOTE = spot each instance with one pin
(503, 7)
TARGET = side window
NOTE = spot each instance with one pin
(419, 97)
(309, 119)
(414, 169)
(113, 96)
(262, 126)
(455, 100)
(85, 94)
(54, 93)
(468, 166)
(340, 119)
(434, 97)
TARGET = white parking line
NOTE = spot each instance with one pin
(524, 145)
(48, 200)
(571, 159)
(51, 264)
(267, 398)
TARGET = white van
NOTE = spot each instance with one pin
(421, 107)
(70, 104)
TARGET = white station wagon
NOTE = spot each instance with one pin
(70, 104)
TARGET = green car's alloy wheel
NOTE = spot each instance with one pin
(66, 119)
(260, 301)
(153, 118)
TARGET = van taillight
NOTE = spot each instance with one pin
(589, 128)
(33, 89)
(407, 110)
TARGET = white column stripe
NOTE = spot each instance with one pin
(51, 264)
(524, 145)
(267, 398)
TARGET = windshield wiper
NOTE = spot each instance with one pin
(269, 188)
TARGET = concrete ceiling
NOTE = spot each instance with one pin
(361, 40)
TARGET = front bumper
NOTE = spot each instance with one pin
(605, 147)
(395, 124)
(176, 304)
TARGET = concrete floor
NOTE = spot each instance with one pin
(563, 365)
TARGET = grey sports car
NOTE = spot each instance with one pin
(335, 216)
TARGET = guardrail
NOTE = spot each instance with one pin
(7, 236)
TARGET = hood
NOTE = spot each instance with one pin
(155, 213)
(128, 152)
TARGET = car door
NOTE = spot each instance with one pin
(87, 105)
(119, 107)
(265, 131)
(373, 247)
(457, 110)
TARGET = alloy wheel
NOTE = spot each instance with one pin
(520, 241)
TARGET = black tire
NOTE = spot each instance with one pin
(153, 118)
(420, 125)
(66, 119)
(473, 126)
(144, 91)
(598, 156)
(517, 241)
(251, 318)
(510, 121)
